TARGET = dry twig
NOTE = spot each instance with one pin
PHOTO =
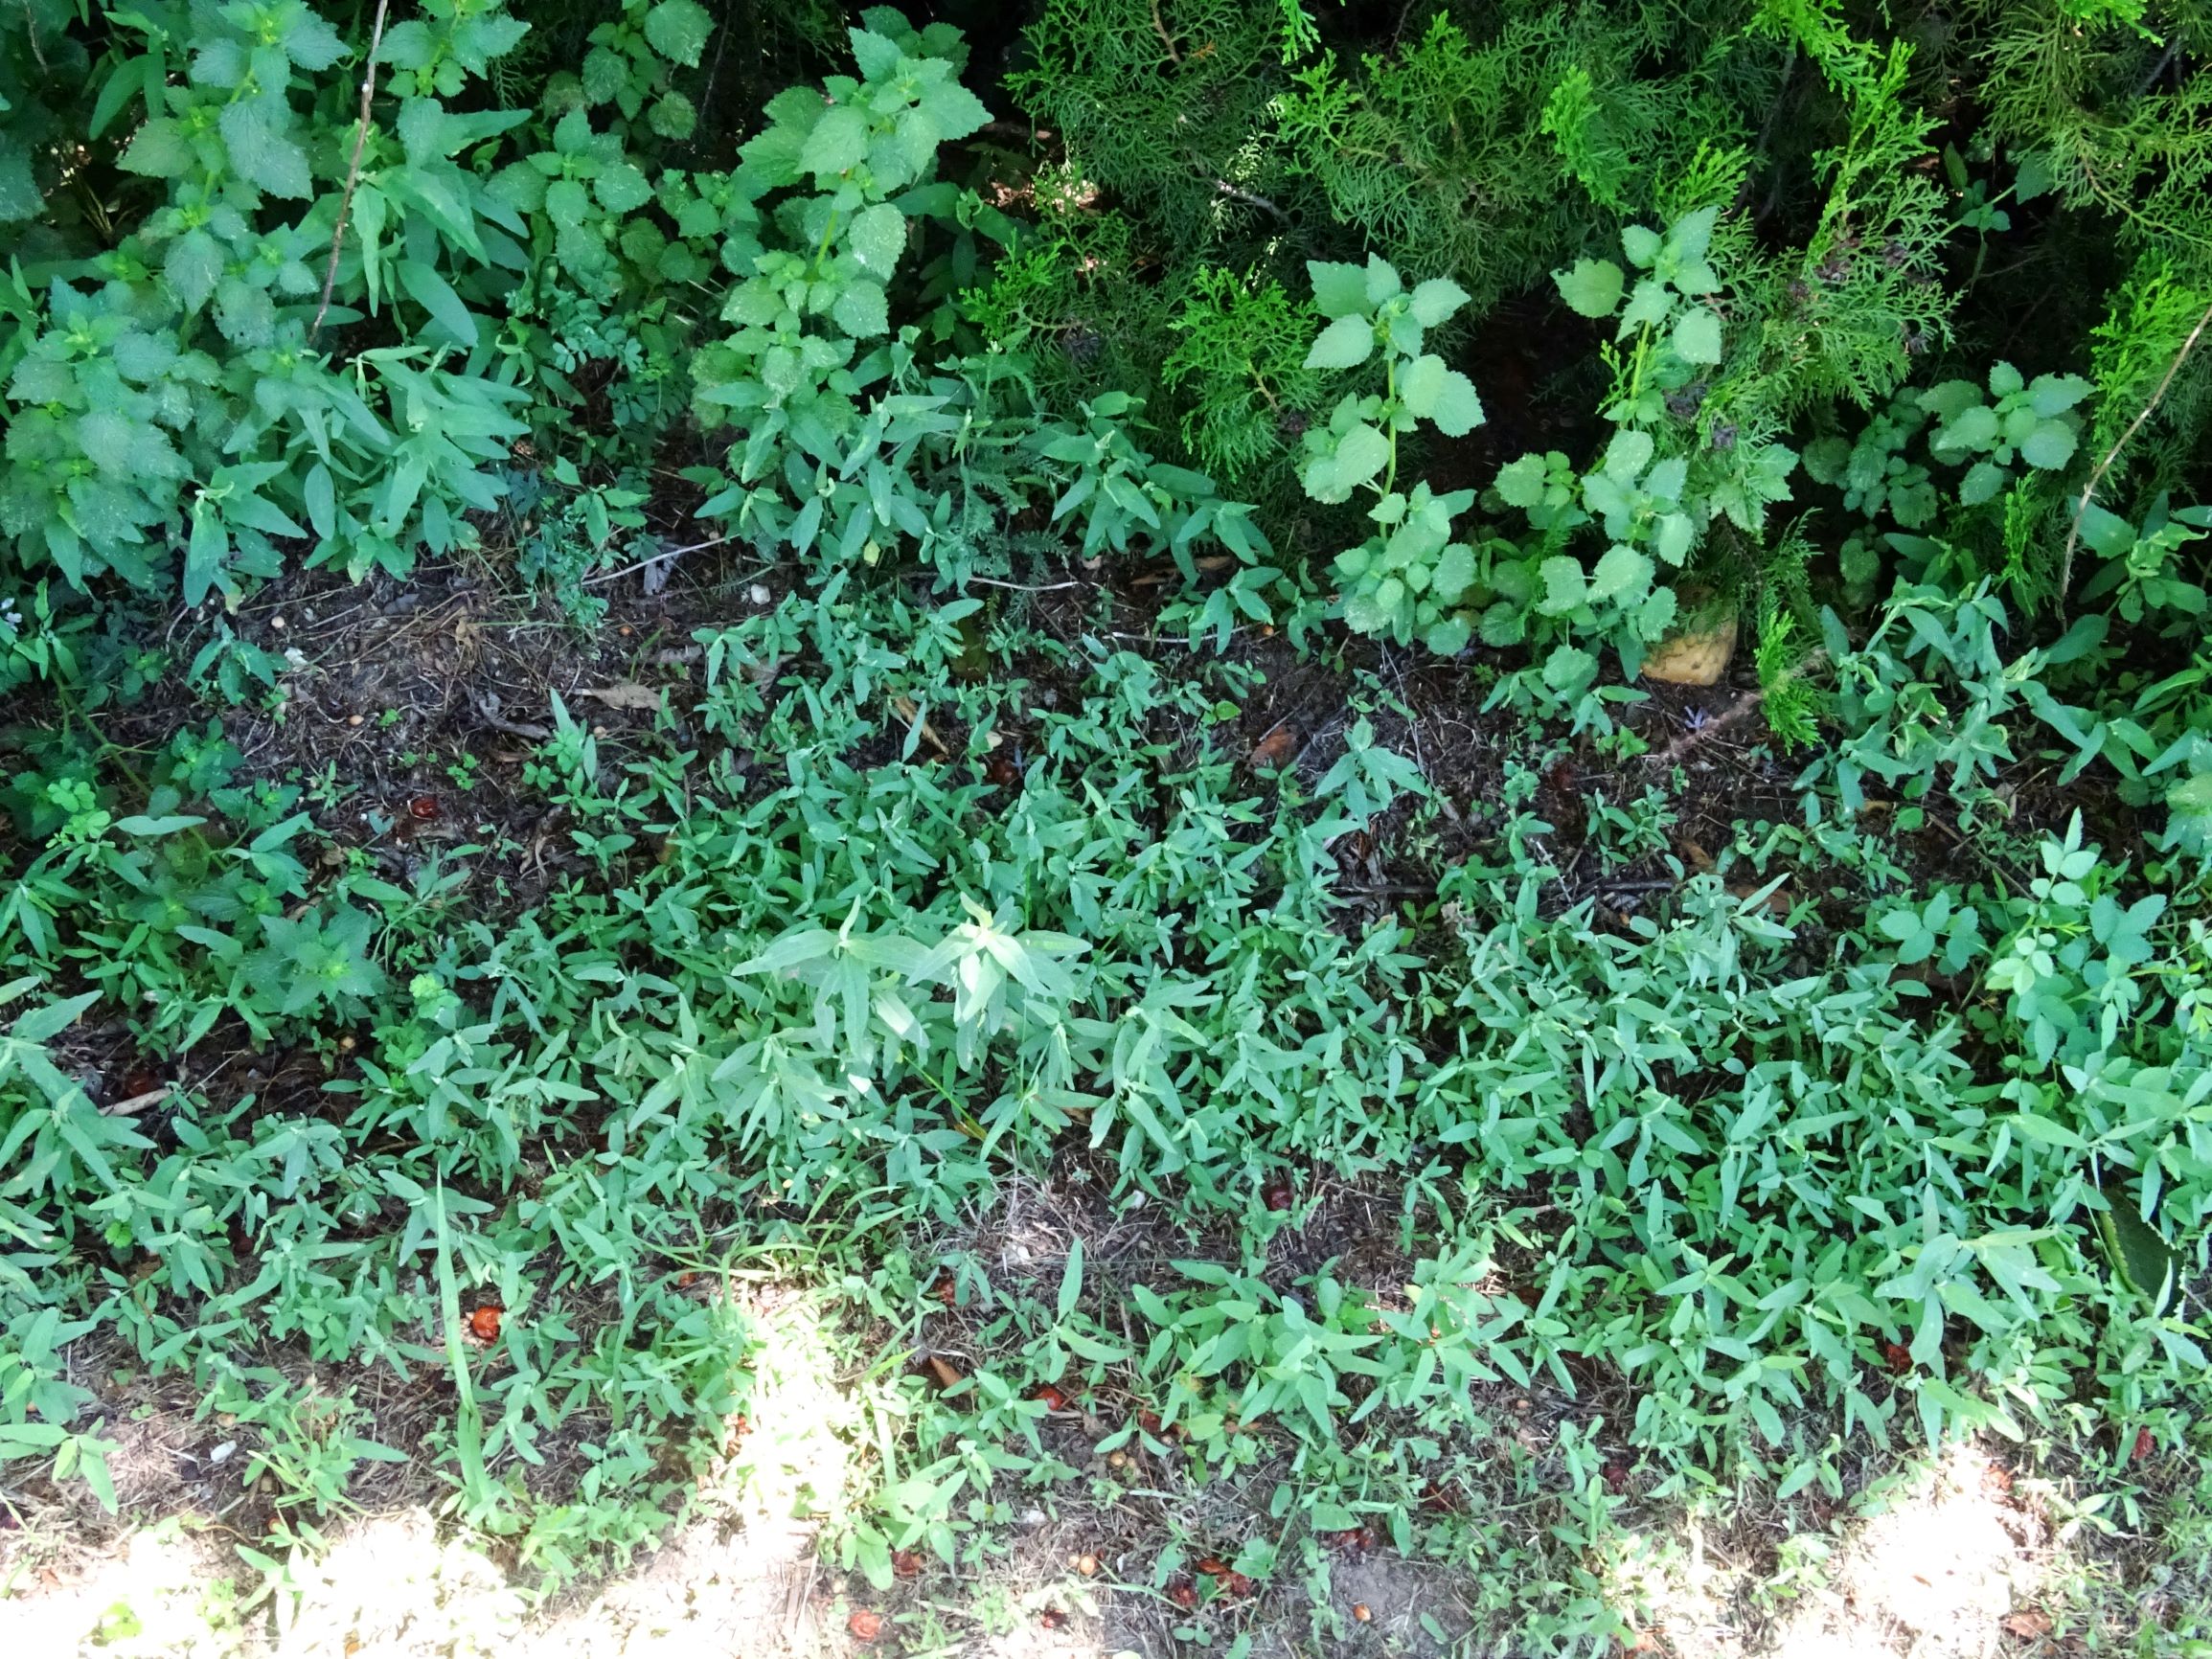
(1160, 27)
(2097, 477)
(1736, 711)
(353, 170)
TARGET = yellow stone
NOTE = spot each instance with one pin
(1695, 658)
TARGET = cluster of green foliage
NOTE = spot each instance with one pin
(907, 897)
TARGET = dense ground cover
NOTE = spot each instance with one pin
(1214, 822)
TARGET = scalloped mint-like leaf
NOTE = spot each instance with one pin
(1344, 344)
(1972, 430)
(2050, 446)
(1623, 570)
(1454, 574)
(1361, 454)
(1435, 299)
(861, 310)
(1592, 287)
(2051, 395)
(1564, 587)
(876, 56)
(878, 238)
(679, 29)
(838, 143)
(1981, 483)
(1365, 614)
(1569, 669)
(265, 156)
(1458, 406)
(1339, 290)
(1698, 336)
(1447, 638)
(193, 265)
(1628, 455)
(1383, 280)
(1522, 482)
(1648, 304)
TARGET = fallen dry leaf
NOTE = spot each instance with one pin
(137, 1103)
(947, 1374)
(2029, 1622)
(625, 695)
(865, 1625)
(1273, 752)
(908, 711)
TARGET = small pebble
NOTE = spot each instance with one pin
(759, 593)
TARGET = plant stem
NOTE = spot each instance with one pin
(2097, 477)
(1390, 396)
(353, 170)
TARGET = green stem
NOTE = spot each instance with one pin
(1389, 397)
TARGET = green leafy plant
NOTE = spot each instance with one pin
(1409, 577)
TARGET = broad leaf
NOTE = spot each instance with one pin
(1592, 287)
(679, 30)
(1698, 336)
(1339, 290)
(1344, 344)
